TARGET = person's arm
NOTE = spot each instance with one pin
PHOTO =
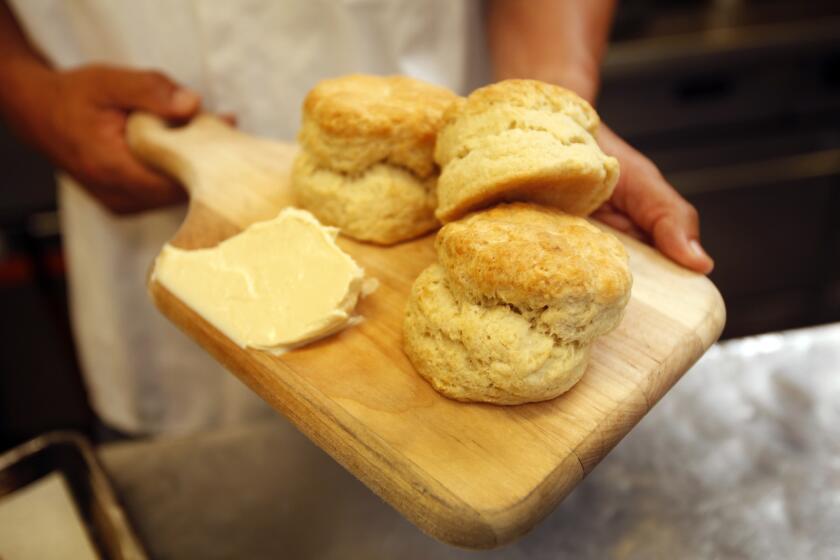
(563, 42)
(77, 119)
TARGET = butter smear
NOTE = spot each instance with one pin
(277, 285)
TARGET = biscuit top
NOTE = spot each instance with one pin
(526, 94)
(496, 115)
(353, 122)
(534, 257)
(374, 106)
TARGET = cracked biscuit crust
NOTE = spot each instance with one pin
(367, 163)
(568, 276)
(511, 309)
(521, 140)
(384, 204)
(473, 352)
(353, 122)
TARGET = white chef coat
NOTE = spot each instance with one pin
(256, 59)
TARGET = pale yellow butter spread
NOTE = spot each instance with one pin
(277, 285)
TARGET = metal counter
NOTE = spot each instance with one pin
(740, 460)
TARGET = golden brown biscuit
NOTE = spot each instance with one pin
(473, 352)
(366, 164)
(353, 122)
(384, 204)
(511, 310)
(521, 140)
(564, 273)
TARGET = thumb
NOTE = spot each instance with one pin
(677, 239)
(655, 206)
(149, 91)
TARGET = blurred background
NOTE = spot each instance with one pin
(738, 102)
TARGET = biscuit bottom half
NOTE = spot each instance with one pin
(527, 165)
(494, 354)
(384, 204)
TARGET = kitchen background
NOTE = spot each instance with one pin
(737, 101)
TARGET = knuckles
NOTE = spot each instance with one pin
(152, 83)
(81, 132)
(98, 79)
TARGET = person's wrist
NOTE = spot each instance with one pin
(579, 75)
(26, 97)
(22, 74)
(582, 83)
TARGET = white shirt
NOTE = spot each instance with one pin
(256, 59)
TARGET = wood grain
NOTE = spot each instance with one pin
(474, 475)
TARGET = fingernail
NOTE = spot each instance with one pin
(184, 100)
(697, 249)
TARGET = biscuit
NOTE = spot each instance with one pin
(521, 140)
(384, 204)
(353, 122)
(472, 352)
(509, 313)
(564, 273)
(368, 137)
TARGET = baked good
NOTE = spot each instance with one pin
(565, 274)
(385, 204)
(521, 140)
(474, 352)
(366, 164)
(510, 311)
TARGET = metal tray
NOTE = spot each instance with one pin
(72, 455)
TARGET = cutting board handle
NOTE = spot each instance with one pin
(239, 178)
(168, 148)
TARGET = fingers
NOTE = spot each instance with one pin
(609, 215)
(149, 185)
(142, 188)
(118, 179)
(134, 188)
(125, 186)
(656, 207)
(147, 91)
(670, 220)
(672, 236)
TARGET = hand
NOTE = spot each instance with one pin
(564, 43)
(645, 206)
(77, 118)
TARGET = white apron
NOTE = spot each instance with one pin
(256, 59)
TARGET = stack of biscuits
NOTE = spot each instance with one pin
(367, 163)
(523, 283)
(520, 291)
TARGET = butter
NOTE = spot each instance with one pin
(277, 285)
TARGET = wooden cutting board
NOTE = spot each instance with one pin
(474, 475)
